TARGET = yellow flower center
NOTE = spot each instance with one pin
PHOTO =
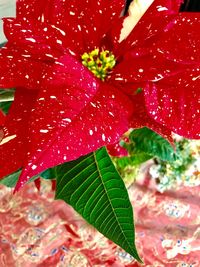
(100, 63)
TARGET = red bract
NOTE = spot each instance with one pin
(2, 119)
(62, 111)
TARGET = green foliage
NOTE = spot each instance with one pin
(10, 180)
(146, 141)
(133, 160)
(4, 106)
(143, 145)
(49, 174)
(6, 98)
(128, 167)
(180, 171)
(93, 187)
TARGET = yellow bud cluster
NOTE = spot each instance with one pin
(100, 63)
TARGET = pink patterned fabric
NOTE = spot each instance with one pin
(37, 231)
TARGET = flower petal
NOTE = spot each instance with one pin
(169, 6)
(185, 36)
(85, 19)
(36, 38)
(135, 11)
(141, 65)
(13, 147)
(116, 150)
(68, 88)
(175, 103)
(141, 118)
(18, 70)
(69, 71)
(32, 9)
(101, 122)
(56, 14)
(2, 118)
(161, 12)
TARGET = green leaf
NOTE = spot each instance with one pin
(93, 187)
(4, 106)
(149, 142)
(49, 174)
(11, 180)
(133, 160)
(6, 98)
(6, 95)
(139, 158)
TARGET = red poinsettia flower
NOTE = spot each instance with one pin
(2, 118)
(77, 85)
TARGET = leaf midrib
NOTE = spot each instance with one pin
(99, 171)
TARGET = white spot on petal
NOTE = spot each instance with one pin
(31, 40)
(61, 31)
(103, 137)
(92, 104)
(67, 119)
(7, 139)
(34, 167)
(44, 131)
(111, 113)
(59, 41)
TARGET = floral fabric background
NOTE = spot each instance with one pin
(37, 231)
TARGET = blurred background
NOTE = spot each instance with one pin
(7, 9)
